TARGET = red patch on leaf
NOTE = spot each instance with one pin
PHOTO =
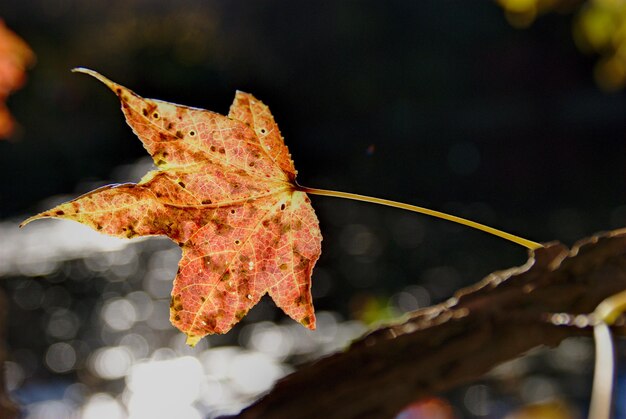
(225, 192)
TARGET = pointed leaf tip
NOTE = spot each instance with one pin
(28, 220)
(110, 84)
(192, 340)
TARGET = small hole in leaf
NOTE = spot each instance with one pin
(282, 207)
(192, 133)
(237, 241)
(263, 130)
(232, 211)
(155, 115)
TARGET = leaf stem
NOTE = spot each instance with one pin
(507, 236)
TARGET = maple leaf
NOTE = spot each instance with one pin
(225, 191)
(15, 57)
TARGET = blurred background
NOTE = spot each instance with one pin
(509, 113)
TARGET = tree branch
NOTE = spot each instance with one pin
(441, 347)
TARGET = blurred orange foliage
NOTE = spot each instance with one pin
(548, 410)
(429, 408)
(15, 57)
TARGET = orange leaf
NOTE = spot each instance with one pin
(15, 57)
(225, 191)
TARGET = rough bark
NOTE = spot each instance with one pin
(441, 347)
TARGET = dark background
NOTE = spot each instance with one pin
(435, 103)
(439, 104)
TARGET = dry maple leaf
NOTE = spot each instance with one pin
(225, 191)
(15, 57)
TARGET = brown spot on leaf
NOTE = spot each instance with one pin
(221, 228)
(216, 241)
(301, 262)
(130, 232)
(60, 212)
